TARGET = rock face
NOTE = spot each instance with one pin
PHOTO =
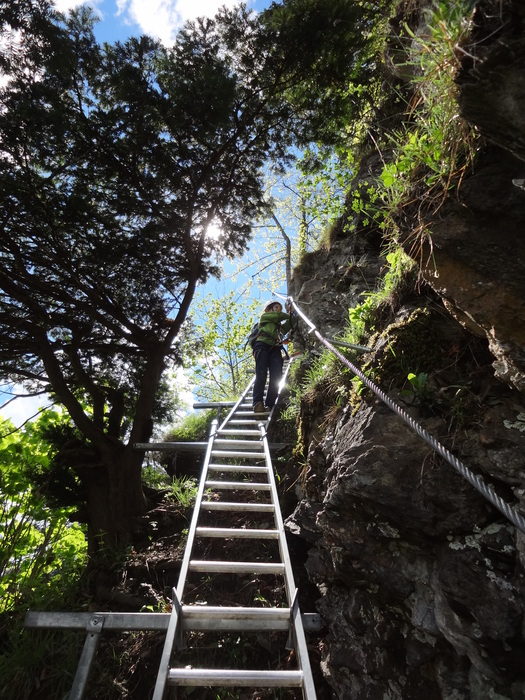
(486, 287)
(478, 262)
(421, 580)
(331, 280)
(492, 82)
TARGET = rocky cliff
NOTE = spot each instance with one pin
(421, 580)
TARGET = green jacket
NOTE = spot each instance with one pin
(271, 327)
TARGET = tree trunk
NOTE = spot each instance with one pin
(288, 253)
(115, 498)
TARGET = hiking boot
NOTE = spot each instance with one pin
(260, 408)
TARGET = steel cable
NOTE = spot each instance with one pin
(484, 489)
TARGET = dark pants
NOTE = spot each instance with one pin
(268, 360)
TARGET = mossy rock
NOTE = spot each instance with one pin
(414, 344)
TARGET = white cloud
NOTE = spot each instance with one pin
(162, 18)
(158, 18)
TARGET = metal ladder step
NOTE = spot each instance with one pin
(239, 507)
(237, 468)
(231, 453)
(232, 678)
(251, 414)
(235, 567)
(247, 533)
(256, 444)
(240, 431)
(219, 618)
(237, 485)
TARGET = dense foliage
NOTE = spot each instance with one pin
(42, 551)
(115, 161)
(223, 362)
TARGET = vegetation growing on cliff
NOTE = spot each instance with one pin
(423, 157)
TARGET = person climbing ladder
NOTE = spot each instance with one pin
(267, 351)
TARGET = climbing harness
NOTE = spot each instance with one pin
(484, 489)
(237, 502)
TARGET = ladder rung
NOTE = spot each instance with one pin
(228, 612)
(238, 485)
(224, 505)
(256, 444)
(211, 618)
(232, 453)
(237, 468)
(245, 414)
(236, 567)
(232, 678)
(239, 431)
(248, 533)
(214, 404)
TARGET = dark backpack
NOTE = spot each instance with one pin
(255, 333)
(252, 337)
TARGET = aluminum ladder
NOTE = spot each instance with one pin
(248, 431)
(237, 478)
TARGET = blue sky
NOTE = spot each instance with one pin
(120, 19)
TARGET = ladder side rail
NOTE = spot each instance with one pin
(296, 623)
(162, 677)
(282, 383)
(279, 523)
(237, 403)
(196, 512)
(296, 620)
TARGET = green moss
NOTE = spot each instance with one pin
(193, 428)
(411, 345)
(308, 263)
